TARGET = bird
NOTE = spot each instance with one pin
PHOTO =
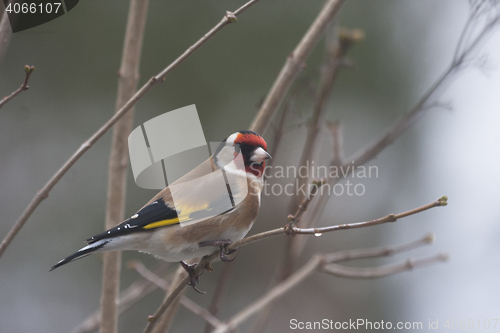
(210, 207)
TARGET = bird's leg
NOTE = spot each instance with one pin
(193, 278)
(222, 244)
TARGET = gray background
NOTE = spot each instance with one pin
(408, 44)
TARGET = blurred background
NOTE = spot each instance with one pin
(408, 45)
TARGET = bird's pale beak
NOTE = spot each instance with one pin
(259, 155)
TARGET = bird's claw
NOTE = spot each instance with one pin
(224, 252)
(193, 277)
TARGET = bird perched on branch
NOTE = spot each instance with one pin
(213, 205)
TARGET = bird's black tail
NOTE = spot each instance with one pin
(83, 252)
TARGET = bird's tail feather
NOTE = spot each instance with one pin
(83, 252)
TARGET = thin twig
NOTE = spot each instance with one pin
(179, 288)
(159, 78)
(398, 127)
(186, 302)
(28, 70)
(118, 160)
(293, 65)
(377, 272)
(385, 251)
(389, 218)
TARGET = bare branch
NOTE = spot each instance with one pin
(276, 292)
(378, 251)
(389, 218)
(293, 66)
(179, 288)
(336, 47)
(324, 264)
(118, 160)
(338, 41)
(426, 102)
(338, 149)
(44, 192)
(165, 321)
(186, 302)
(377, 272)
(28, 70)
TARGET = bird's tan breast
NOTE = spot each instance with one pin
(236, 222)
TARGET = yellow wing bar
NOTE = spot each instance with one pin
(161, 223)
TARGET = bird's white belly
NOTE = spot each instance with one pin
(156, 247)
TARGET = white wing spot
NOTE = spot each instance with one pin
(118, 228)
(134, 216)
(109, 232)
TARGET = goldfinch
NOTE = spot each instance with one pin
(213, 205)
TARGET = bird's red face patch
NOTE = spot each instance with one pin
(248, 142)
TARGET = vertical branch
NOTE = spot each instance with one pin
(118, 160)
(337, 45)
(293, 66)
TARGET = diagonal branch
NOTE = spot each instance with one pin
(44, 192)
(385, 251)
(28, 70)
(378, 272)
(426, 102)
(336, 48)
(186, 302)
(293, 66)
(443, 201)
(324, 263)
(179, 288)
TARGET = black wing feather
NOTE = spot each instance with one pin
(157, 211)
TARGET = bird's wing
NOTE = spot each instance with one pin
(151, 216)
(191, 201)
